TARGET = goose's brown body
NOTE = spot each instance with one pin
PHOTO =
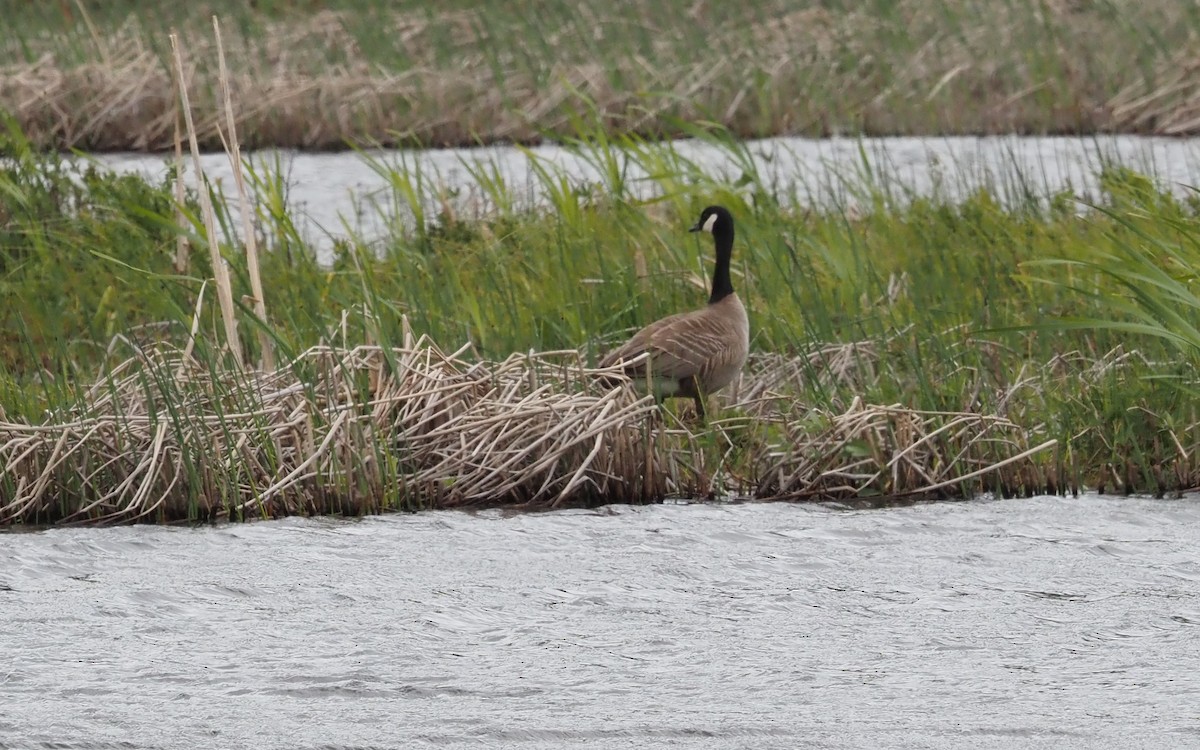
(694, 354)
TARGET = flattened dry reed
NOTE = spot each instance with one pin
(893, 452)
(364, 430)
(427, 430)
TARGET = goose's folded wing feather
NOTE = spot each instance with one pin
(636, 346)
(679, 346)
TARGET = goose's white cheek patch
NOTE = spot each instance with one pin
(708, 223)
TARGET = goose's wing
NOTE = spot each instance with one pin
(640, 343)
(679, 346)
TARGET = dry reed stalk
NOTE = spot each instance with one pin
(851, 364)
(893, 452)
(191, 340)
(220, 271)
(343, 431)
(97, 39)
(181, 242)
(234, 151)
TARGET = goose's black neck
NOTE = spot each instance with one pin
(722, 286)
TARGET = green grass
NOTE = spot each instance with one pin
(1079, 327)
(95, 75)
(92, 255)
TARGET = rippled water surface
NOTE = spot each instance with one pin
(1048, 622)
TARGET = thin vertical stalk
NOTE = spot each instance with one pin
(220, 272)
(182, 245)
(234, 151)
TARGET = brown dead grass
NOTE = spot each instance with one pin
(344, 431)
(1054, 67)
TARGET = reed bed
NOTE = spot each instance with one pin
(99, 76)
(162, 438)
(903, 346)
(166, 439)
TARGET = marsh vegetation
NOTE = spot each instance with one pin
(915, 348)
(97, 76)
(174, 349)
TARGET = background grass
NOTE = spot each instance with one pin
(95, 75)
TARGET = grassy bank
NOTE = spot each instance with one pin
(915, 348)
(97, 76)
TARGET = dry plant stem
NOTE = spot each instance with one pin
(191, 341)
(98, 40)
(220, 271)
(181, 242)
(533, 430)
(235, 162)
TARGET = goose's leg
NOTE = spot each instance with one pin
(693, 389)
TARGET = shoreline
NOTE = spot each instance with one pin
(565, 141)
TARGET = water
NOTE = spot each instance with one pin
(336, 195)
(1050, 622)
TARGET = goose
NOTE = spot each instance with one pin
(693, 354)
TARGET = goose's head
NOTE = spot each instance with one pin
(714, 220)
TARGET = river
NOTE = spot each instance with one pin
(1044, 622)
(334, 195)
